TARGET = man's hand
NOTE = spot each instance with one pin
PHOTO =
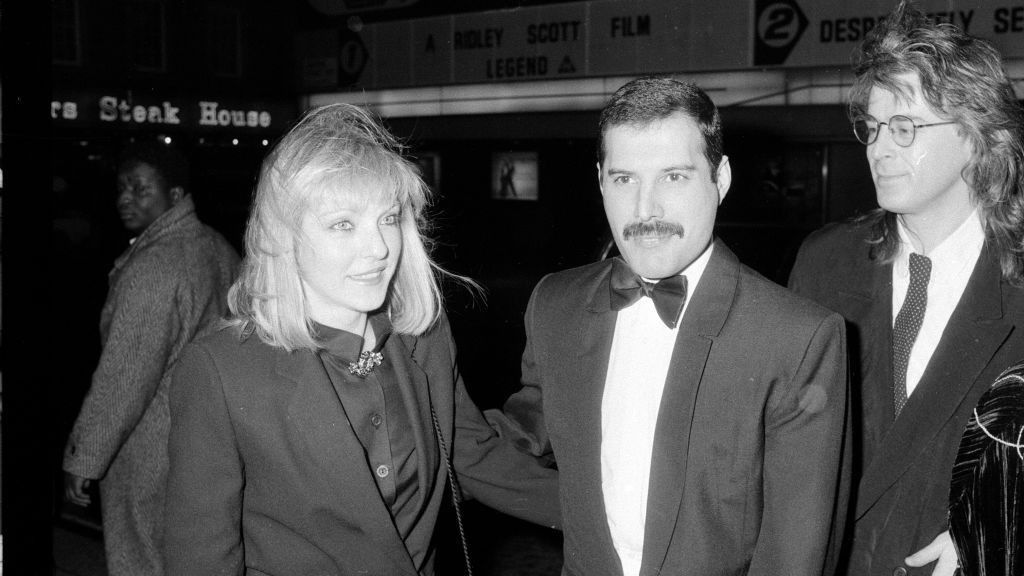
(942, 550)
(74, 489)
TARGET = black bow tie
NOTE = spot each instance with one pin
(669, 294)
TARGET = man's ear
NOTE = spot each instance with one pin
(724, 179)
(176, 194)
(600, 181)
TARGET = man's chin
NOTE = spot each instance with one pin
(131, 225)
(651, 268)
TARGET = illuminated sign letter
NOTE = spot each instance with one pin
(207, 113)
(108, 109)
(171, 114)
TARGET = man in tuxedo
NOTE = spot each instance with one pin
(696, 411)
(930, 283)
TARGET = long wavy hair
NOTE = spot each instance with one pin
(962, 79)
(330, 151)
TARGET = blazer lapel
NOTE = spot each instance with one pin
(703, 321)
(320, 419)
(973, 335)
(587, 377)
(866, 299)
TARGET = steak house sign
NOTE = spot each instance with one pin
(119, 111)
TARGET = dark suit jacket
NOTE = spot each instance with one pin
(903, 467)
(268, 477)
(745, 472)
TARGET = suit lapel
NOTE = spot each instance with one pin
(587, 377)
(972, 336)
(866, 299)
(320, 419)
(705, 315)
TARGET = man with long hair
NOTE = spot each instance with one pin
(929, 283)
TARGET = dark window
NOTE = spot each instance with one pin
(224, 41)
(65, 32)
(145, 30)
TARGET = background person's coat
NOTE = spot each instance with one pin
(168, 286)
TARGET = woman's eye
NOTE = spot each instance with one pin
(343, 225)
(390, 219)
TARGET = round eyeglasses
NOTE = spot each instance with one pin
(902, 129)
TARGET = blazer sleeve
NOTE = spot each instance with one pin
(492, 470)
(204, 487)
(806, 462)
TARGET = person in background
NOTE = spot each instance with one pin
(318, 432)
(169, 286)
(930, 283)
(696, 411)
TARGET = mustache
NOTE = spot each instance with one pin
(659, 228)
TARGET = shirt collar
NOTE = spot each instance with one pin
(958, 250)
(345, 345)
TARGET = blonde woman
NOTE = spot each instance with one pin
(312, 435)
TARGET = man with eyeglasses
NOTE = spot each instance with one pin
(930, 283)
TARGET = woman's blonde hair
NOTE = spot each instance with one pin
(326, 152)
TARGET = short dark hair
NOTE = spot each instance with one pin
(169, 163)
(962, 78)
(645, 100)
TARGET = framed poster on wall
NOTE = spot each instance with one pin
(514, 176)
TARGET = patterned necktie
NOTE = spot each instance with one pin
(669, 294)
(907, 325)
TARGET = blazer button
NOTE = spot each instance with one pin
(900, 571)
(383, 471)
(376, 420)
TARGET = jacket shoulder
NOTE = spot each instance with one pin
(838, 237)
(836, 257)
(231, 351)
(574, 281)
(772, 299)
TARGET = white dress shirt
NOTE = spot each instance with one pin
(637, 367)
(953, 262)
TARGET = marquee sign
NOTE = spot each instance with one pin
(610, 38)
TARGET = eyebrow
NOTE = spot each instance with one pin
(619, 171)
(349, 210)
(681, 168)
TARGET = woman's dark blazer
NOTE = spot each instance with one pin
(268, 477)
